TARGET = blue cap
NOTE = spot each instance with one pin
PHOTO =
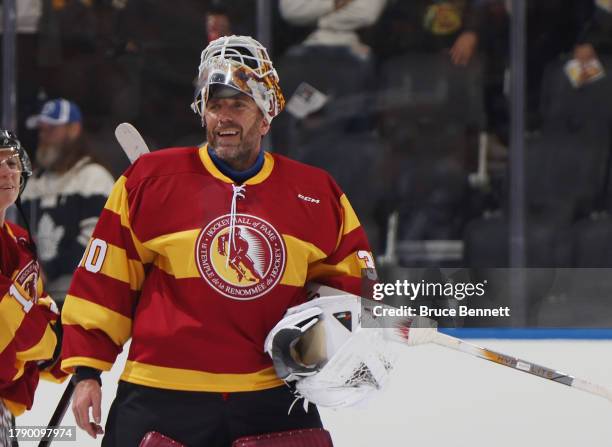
(56, 112)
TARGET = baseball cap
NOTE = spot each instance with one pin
(222, 91)
(56, 112)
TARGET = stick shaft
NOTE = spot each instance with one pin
(521, 365)
(59, 413)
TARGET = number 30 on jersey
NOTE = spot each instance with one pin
(94, 255)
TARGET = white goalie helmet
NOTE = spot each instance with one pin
(321, 346)
(243, 64)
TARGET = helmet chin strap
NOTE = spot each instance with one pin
(26, 224)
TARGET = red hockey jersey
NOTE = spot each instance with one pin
(197, 283)
(26, 318)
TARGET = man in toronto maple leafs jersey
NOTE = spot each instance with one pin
(66, 193)
(197, 255)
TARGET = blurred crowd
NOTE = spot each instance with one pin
(404, 102)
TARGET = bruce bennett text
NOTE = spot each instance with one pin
(425, 311)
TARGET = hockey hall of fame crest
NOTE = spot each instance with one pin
(243, 265)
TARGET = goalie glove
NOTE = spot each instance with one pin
(321, 348)
(282, 344)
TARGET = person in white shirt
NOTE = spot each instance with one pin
(337, 20)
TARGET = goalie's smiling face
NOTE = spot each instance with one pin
(234, 129)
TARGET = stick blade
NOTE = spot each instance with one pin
(131, 141)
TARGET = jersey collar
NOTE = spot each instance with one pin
(210, 166)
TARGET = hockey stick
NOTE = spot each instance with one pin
(421, 330)
(134, 146)
(521, 365)
(131, 141)
(58, 414)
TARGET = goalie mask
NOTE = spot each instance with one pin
(321, 346)
(18, 159)
(240, 63)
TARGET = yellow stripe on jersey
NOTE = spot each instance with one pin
(191, 380)
(69, 364)
(174, 246)
(15, 408)
(88, 315)
(41, 350)
(47, 301)
(117, 203)
(293, 275)
(40, 292)
(118, 266)
(49, 377)
(11, 316)
(350, 217)
(210, 166)
(351, 266)
(19, 366)
(178, 247)
(264, 172)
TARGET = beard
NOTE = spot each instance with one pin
(48, 156)
(63, 155)
(241, 154)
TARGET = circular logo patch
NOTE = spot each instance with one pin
(243, 264)
(27, 278)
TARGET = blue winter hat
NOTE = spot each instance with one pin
(56, 112)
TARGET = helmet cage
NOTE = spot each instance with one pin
(243, 64)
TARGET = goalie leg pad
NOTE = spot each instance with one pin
(156, 439)
(310, 437)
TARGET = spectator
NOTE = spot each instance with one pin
(431, 111)
(28, 15)
(227, 17)
(552, 29)
(66, 193)
(217, 21)
(431, 26)
(336, 21)
(596, 36)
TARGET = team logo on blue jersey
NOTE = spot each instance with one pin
(242, 261)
